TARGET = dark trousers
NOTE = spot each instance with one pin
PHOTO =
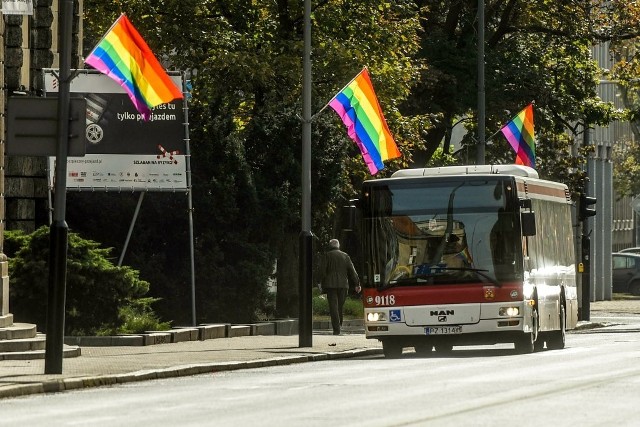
(336, 298)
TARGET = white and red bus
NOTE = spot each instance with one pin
(466, 255)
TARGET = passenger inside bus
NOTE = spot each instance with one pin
(426, 244)
(456, 253)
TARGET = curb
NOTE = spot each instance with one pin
(284, 327)
(56, 386)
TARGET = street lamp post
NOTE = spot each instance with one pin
(305, 259)
(480, 159)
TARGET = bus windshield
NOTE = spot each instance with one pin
(441, 232)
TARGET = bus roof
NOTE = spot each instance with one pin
(528, 182)
(516, 170)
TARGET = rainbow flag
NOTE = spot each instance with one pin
(358, 107)
(519, 133)
(125, 57)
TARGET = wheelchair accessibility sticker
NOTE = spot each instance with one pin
(395, 316)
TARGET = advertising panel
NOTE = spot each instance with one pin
(124, 152)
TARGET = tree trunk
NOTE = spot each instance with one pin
(287, 295)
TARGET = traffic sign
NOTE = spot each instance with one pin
(32, 126)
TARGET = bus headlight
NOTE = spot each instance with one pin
(509, 311)
(376, 316)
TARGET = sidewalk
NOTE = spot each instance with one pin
(99, 366)
(628, 306)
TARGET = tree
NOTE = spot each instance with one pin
(97, 291)
(245, 62)
(535, 51)
(244, 59)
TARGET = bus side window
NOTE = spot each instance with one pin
(528, 220)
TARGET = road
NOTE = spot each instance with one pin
(595, 381)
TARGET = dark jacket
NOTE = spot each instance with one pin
(337, 271)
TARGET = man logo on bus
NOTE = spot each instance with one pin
(441, 313)
(442, 318)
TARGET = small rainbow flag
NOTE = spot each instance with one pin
(465, 256)
(358, 107)
(124, 56)
(519, 133)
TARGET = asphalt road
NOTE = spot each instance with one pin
(595, 381)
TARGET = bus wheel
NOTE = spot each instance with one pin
(423, 349)
(556, 339)
(527, 342)
(391, 349)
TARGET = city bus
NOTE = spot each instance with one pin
(467, 255)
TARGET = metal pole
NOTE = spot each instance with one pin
(189, 201)
(480, 159)
(598, 241)
(133, 223)
(585, 312)
(606, 209)
(306, 256)
(59, 230)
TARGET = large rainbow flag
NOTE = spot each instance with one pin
(358, 107)
(124, 56)
(519, 133)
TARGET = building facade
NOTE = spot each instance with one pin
(29, 44)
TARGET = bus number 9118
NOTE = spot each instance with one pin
(385, 300)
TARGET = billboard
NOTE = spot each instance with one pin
(124, 152)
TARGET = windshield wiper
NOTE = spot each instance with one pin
(434, 272)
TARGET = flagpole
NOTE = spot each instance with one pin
(498, 131)
(105, 34)
(338, 92)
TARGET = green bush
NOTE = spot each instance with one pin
(353, 308)
(101, 298)
(320, 305)
(137, 318)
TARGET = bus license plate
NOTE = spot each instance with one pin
(443, 330)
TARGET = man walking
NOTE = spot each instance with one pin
(335, 274)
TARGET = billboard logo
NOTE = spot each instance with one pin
(163, 154)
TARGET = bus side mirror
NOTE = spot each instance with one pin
(528, 221)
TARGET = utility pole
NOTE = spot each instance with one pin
(480, 160)
(305, 258)
(584, 213)
(58, 234)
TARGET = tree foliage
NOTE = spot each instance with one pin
(245, 63)
(100, 297)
